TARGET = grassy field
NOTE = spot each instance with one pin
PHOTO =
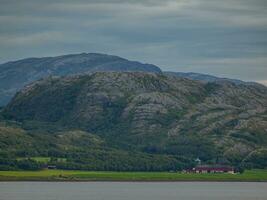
(68, 175)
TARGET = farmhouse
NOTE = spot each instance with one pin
(212, 169)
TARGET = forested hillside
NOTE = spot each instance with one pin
(136, 121)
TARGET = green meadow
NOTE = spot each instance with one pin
(71, 175)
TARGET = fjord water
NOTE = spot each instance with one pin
(132, 191)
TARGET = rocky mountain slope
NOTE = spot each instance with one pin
(150, 113)
(15, 75)
(207, 78)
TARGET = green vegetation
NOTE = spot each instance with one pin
(45, 159)
(133, 122)
(33, 149)
(70, 175)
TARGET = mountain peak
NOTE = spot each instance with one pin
(15, 75)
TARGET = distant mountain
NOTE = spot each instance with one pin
(207, 78)
(146, 113)
(15, 75)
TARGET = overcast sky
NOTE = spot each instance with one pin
(227, 38)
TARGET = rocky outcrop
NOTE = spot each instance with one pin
(152, 112)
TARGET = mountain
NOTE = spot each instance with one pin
(207, 78)
(158, 117)
(15, 75)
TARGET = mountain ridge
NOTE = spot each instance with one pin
(150, 113)
(15, 75)
(208, 78)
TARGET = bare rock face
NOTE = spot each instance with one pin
(150, 111)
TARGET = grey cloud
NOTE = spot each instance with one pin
(219, 37)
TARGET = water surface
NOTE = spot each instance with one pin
(132, 191)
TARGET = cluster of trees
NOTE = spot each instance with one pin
(121, 161)
(85, 151)
(257, 159)
(23, 164)
(101, 160)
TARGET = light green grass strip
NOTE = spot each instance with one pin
(249, 175)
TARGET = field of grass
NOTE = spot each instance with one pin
(69, 175)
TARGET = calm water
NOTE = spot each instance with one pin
(131, 191)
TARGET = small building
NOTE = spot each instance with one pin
(212, 169)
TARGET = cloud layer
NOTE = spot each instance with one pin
(224, 38)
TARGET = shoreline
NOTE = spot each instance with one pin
(108, 176)
(135, 181)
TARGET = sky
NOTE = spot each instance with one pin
(226, 38)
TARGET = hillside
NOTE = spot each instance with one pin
(175, 119)
(15, 75)
(206, 77)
